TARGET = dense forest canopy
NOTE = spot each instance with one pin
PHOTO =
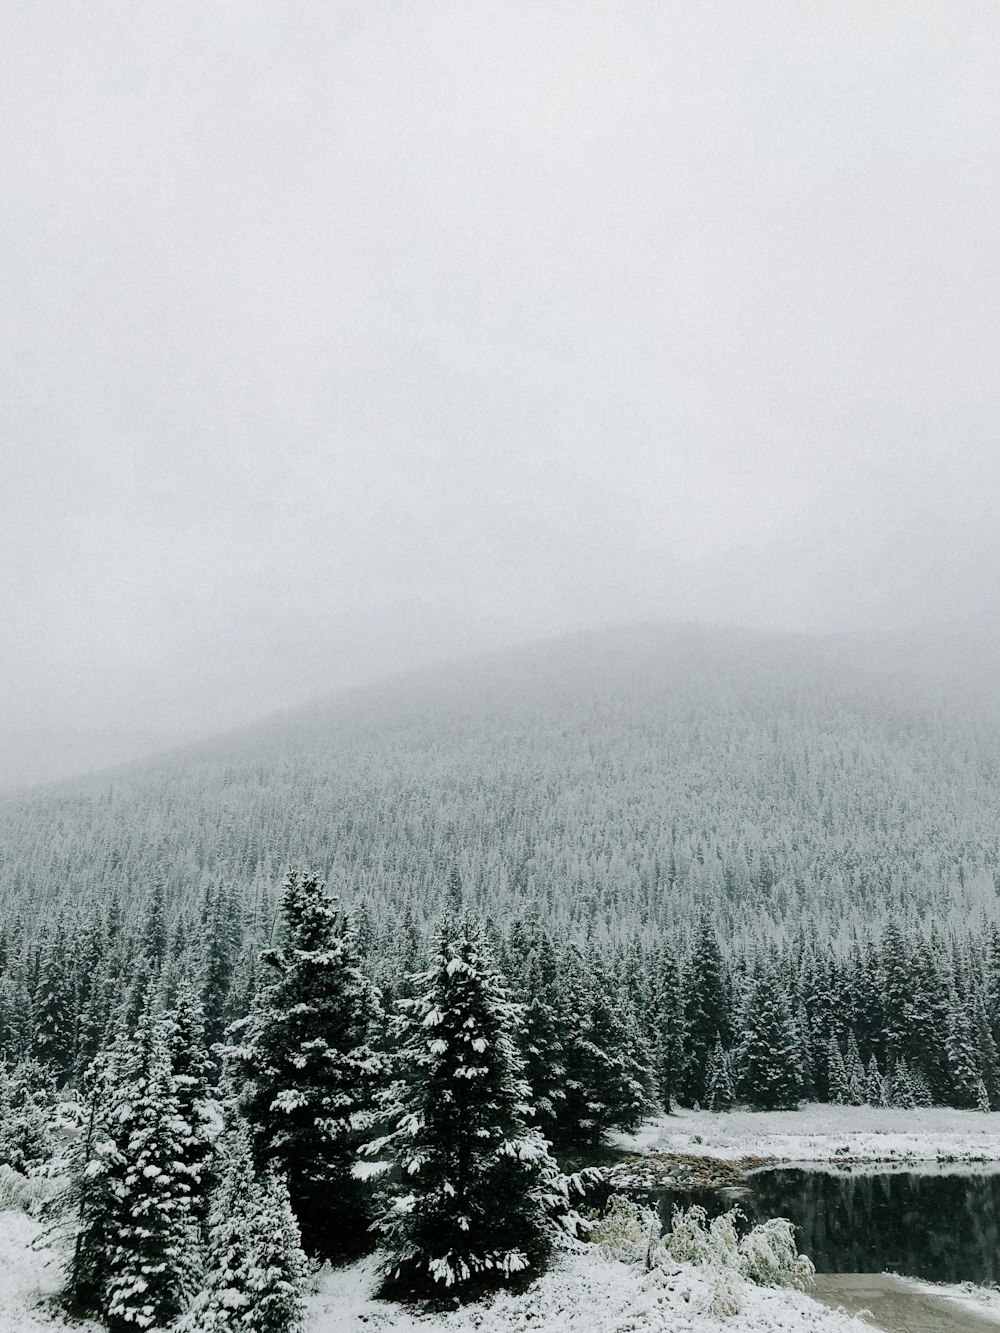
(711, 867)
(614, 782)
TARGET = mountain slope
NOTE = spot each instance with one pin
(611, 780)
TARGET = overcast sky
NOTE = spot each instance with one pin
(339, 336)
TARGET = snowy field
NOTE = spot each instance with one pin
(29, 1278)
(819, 1133)
(583, 1294)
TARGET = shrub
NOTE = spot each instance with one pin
(629, 1232)
(766, 1255)
(26, 1194)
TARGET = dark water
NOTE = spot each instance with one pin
(945, 1228)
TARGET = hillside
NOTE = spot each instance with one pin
(610, 779)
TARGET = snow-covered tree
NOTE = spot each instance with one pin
(666, 1023)
(87, 1210)
(899, 1088)
(26, 1139)
(963, 1057)
(706, 1009)
(771, 1078)
(542, 1034)
(254, 1267)
(153, 1251)
(193, 1071)
(855, 1071)
(482, 1199)
(126, 1210)
(307, 1068)
(875, 1094)
(605, 1083)
(719, 1092)
(836, 1074)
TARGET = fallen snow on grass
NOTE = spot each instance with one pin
(29, 1278)
(983, 1301)
(819, 1133)
(581, 1294)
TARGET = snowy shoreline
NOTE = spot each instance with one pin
(817, 1133)
(581, 1293)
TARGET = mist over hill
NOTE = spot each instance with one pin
(613, 781)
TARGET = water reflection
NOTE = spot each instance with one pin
(940, 1227)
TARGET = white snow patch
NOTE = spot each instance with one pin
(29, 1279)
(581, 1294)
(820, 1133)
(983, 1301)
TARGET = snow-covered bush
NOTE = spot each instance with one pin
(766, 1255)
(629, 1232)
(725, 1300)
(22, 1193)
(769, 1256)
(692, 1239)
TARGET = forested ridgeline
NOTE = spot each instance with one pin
(596, 805)
(618, 788)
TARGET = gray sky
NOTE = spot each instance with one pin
(339, 336)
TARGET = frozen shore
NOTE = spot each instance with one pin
(821, 1133)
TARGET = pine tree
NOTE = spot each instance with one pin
(855, 1071)
(988, 1060)
(484, 1199)
(26, 1139)
(542, 1036)
(54, 1010)
(620, 1081)
(220, 951)
(255, 1267)
(840, 1091)
(900, 1089)
(771, 1076)
(153, 1251)
(804, 1028)
(719, 1094)
(87, 1210)
(982, 1097)
(666, 1021)
(706, 1016)
(875, 1094)
(897, 989)
(308, 1071)
(605, 1085)
(963, 1063)
(192, 1072)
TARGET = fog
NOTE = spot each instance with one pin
(339, 337)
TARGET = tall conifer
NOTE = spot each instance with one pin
(308, 1071)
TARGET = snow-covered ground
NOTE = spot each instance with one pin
(983, 1301)
(29, 1277)
(581, 1294)
(819, 1133)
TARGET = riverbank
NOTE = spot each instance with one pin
(901, 1305)
(582, 1293)
(819, 1133)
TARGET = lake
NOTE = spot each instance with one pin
(937, 1225)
